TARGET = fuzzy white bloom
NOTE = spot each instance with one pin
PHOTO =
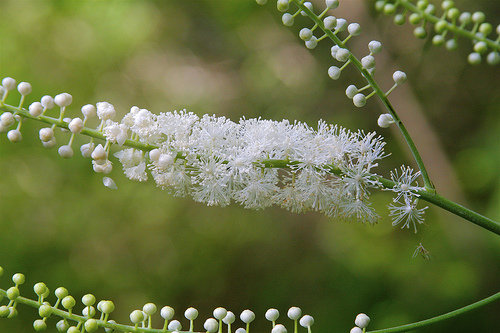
(105, 110)
(407, 213)
(115, 132)
(405, 183)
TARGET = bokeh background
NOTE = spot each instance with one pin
(60, 225)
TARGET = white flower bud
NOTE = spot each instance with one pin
(351, 91)
(283, 5)
(294, 313)
(99, 153)
(65, 151)
(47, 102)
(87, 149)
(356, 330)
(149, 309)
(167, 312)
(174, 325)
(229, 318)
(368, 62)
(136, 316)
(287, 19)
(493, 58)
(375, 46)
(272, 314)
(330, 22)
(7, 119)
(247, 316)
(35, 109)
(309, 6)
(474, 58)
(362, 320)
(334, 72)
(220, 313)
(451, 44)
(399, 77)
(105, 167)
(191, 314)
(63, 100)
(46, 134)
(14, 136)
(354, 29)
(478, 17)
(105, 110)
(385, 120)
(89, 111)
(279, 329)
(24, 88)
(334, 50)
(342, 55)
(359, 100)
(211, 325)
(332, 4)
(305, 34)
(154, 155)
(306, 321)
(109, 183)
(341, 24)
(75, 125)
(465, 18)
(50, 144)
(240, 330)
(9, 83)
(312, 43)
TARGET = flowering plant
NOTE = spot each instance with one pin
(256, 163)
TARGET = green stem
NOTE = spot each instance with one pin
(434, 320)
(371, 81)
(458, 30)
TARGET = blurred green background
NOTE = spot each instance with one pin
(60, 225)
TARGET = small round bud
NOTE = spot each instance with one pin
(9, 83)
(91, 325)
(18, 279)
(136, 316)
(480, 47)
(305, 34)
(478, 17)
(451, 44)
(63, 100)
(272, 314)
(282, 5)
(287, 19)
(438, 40)
(12, 293)
(88, 311)
(99, 153)
(167, 312)
(45, 310)
(107, 307)
(229, 318)
(330, 22)
(247, 316)
(68, 302)
(62, 326)
(362, 320)
(399, 19)
(389, 9)
(309, 6)
(73, 329)
(220, 313)
(50, 144)
(453, 14)
(191, 314)
(379, 5)
(14, 136)
(341, 25)
(279, 329)
(211, 325)
(493, 58)
(174, 325)
(334, 50)
(4, 311)
(89, 111)
(35, 109)
(342, 55)
(154, 155)
(430, 9)
(88, 300)
(385, 120)
(294, 313)
(359, 100)
(356, 330)
(415, 18)
(87, 149)
(39, 325)
(261, 2)
(368, 62)
(331, 4)
(12, 312)
(65, 151)
(40, 288)
(149, 309)
(440, 26)
(485, 29)
(312, 43)
(447, 5)
(7, 119)
(420, 32)
(109, 183)
(465, 18)
(354, 29)
(75, 125)
(334, 72)
(351, 91)
(474, 58)
(306, 321)
(24, 88)
(399, 77)
(61, 292)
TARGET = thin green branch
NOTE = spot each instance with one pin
(429, 196)
(434, 320)
(457, 30)
(371, 81)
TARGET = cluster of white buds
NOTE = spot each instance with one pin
(447, 24)
(140, 318)
(361, 323)
(8, 119)
(340, 32)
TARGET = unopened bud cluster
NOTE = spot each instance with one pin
(361, 323)
(445, 24)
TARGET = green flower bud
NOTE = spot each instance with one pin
(39, 325)
(107, 307)
(389, 9)
(136, 316)
(453, 14)
(485, 28)
(45, 311)
(420, 32)
(480, 47)
(62, 326)
(379, 5)
(18, 279)
(4, 311)
(399, 19)
(12, 312)
(61, 292)
(40, 288)
(73, 329)
(415, 18)
(12, 293)
(88, 300)
(440, 26)
(68, 302)
(91, 325)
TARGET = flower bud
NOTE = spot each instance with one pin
(272, 314)
(35, 109)
(362, 320)
(9, 83)
(294, 313)
(24, 88)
